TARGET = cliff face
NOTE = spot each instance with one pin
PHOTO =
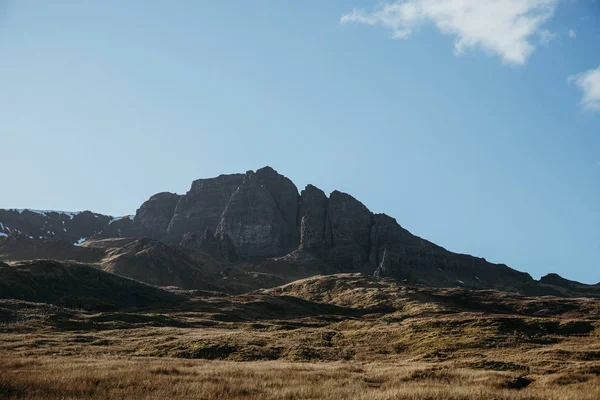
(312, 216)
(155, 215)
(201, 207)
(260, 215)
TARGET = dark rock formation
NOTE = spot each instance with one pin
(348, 233)
(260, 215)
(156, 213)
(253, 215)
(227, 247)
(557, 280)
(312, 216)
(556, 285)
(191, 241)
(87, 224)
(256, 218)
(68, 226)
(122, 227)
(399, 254)
(209, 244)
(286, 197)
(202, 206)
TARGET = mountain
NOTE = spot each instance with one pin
(72, 227)
(238, 225)
(261, 215)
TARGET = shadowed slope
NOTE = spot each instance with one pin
(76, 285)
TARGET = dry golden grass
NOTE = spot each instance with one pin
(323, 339)
(157, 378)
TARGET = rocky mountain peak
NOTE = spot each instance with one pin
(260, 215)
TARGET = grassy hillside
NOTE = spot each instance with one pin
(76, 285)
(340, 336)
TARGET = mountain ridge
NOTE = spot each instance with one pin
(261, 215)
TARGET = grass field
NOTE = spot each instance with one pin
(159, 378)
(326, 338)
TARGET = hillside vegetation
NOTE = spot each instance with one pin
(339, 336)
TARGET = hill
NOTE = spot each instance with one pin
(355, 335)
(76, 285)
(159, 264)
(71, 227)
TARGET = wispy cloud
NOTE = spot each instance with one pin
(508, 28)
(589, 83)
(572, 33)
(546, 37)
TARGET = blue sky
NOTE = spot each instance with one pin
(476, 128)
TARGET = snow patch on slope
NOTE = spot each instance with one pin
(114, 219)
(70, 214)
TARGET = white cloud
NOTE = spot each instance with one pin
(589, 83)
(546, 37)
(572, 33)
(507, 28)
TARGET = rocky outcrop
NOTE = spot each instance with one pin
(312, 215)
(399, 254)
(556, 285)
(286, 197)
(260, 217)
(253, 215)
(201, 207)
(393, 246)
(210, 244)
(155, 214)
(122, 227)
(348, 233)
